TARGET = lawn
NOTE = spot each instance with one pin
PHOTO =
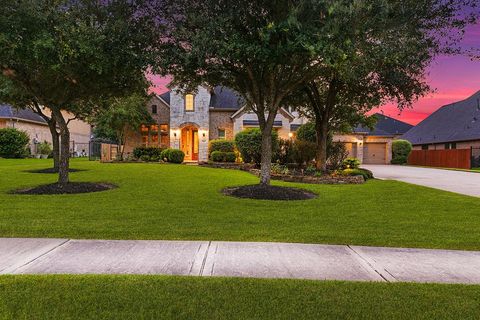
(157, 201)
(161, 297)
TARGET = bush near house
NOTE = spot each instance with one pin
(400, 151)
(13, 143)
(221, 145)
(336, 155)
(219, 156)
(44, 148)
(249, 144)
(366, 174)
(299, 152)
(151, 152)
(172, 155)
(307, 132)
(351, 163)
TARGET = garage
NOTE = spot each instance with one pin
(374, 153)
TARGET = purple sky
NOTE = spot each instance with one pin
(454, 78)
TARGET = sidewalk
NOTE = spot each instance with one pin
(237, 259)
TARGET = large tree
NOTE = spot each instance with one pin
(379, 52)
(69, 55)
(263, 49)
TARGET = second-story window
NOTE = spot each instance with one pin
(189, 102)
(154, 109)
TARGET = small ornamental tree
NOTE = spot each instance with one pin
(68, 56)
(249, 144)
(400, 151)
(13, 143)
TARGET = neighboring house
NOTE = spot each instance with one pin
(188, 122)
(38, 131)
(453, 126)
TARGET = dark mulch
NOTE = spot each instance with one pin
(70, 188)
(263, 192)
(52, 170)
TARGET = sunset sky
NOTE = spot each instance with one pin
(453, 77)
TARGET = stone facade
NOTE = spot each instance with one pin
(199, 118)
(221, 120)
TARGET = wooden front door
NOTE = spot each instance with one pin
(190, 143)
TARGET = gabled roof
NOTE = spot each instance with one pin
(385, 126)
(8, 112)
(165, 97)
(226, 98)
(459, 121)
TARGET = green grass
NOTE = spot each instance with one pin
(160, 297)
(156, 201)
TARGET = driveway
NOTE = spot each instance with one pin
(467, 183)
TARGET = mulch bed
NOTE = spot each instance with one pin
(52, 170)
(262, 192)
(70, 188)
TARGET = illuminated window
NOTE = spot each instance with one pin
(221, 133)
(164, 138)
(154, 134)
(189, 102)
(144, 132)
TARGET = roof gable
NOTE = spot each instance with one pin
(7, 111)
(385, 126)
(459, 121)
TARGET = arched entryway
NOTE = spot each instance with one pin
(189, 143)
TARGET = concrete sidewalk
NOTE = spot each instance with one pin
(237, 259)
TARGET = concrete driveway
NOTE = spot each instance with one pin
(467, 183)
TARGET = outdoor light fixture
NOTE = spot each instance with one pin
(290, 135)
(203, 134)
(175, 134)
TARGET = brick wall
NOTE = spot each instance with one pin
(221, 120)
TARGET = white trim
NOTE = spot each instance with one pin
(161, 100)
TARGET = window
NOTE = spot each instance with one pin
(154, 134)
(424, 146)
(144, 132)
(164, 138)
(154, 109)
(452, 145)
(189, 102)
(221, 133)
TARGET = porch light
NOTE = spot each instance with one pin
(290, 135)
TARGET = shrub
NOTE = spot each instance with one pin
(230, 157)
(400, 151)
(13, 143)
(285, 151)
(44, 148)
(351, 163)
(155, 158)
(145, 157)
(307, 132)
(176, 156)
(279, 169)
(249, 143)
(336, 154)
(221, 145)
(164, 154)
(366, 174)
(217, 156)
(303, 152)
(138, 152)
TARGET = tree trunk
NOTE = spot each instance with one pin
(55, 144)
(266, 160)
(64, 154)
(321, 130)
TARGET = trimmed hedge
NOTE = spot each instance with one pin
(400, 151)
(14, 143)
(249, 144)
(154, 152)
(172, 155)
(366, 174)
(219, 156)
(221, 145)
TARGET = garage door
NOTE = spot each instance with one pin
(374, 153)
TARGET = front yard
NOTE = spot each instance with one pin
(160, 297)
(156, 201)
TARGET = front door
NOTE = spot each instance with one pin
(190, 143)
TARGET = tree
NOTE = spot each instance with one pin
(122, 115)
(67, 56)
(379, 52)
(263, 49)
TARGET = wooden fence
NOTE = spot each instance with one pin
(452, 158)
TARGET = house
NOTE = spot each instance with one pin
(453, 126)
(188, 122)
(38, 131)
